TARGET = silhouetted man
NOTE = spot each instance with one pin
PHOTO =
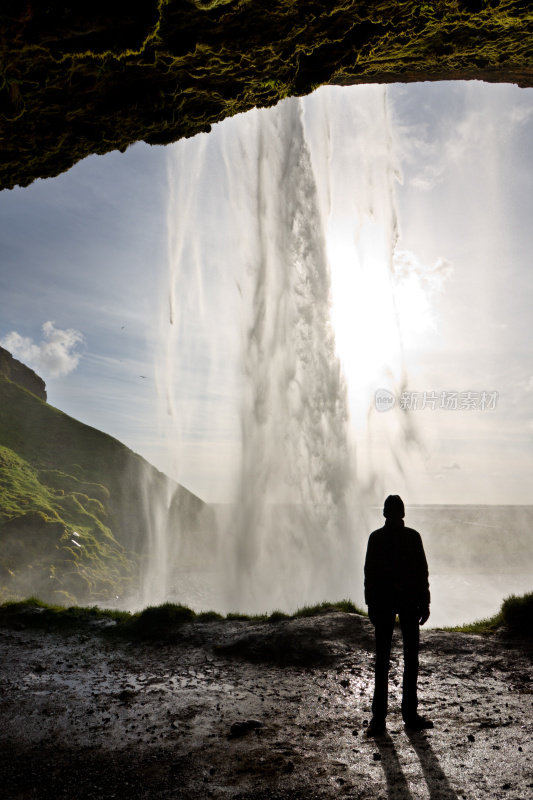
(396, 582)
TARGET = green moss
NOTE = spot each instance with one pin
(98, 76)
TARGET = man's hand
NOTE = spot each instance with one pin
(372, 615)
(423, 615)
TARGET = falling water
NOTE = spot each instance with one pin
(290, 539)
(254, 220)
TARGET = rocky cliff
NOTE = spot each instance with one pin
(90, 77)
(78, 510)
(22, 375)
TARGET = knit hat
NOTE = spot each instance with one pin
(393, 507)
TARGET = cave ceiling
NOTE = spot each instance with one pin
(94, 77)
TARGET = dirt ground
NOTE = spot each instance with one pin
(88, 716)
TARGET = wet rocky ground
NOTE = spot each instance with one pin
(259, 710)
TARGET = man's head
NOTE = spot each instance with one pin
(393, 508)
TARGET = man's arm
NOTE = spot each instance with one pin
(371, 583)
(422, 577)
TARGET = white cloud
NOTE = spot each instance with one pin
(428, 177)
(415, 287)
(434, 146)
(56, 355)
(520, 115)
(408, 266)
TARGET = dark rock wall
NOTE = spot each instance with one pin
(97, 76)
(21, 374)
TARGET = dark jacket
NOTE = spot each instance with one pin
(396, 570)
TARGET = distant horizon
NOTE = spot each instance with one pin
(407, 505)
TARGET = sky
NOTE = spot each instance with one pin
(439, 180)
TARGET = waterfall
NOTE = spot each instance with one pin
(256, 218)
(289, 533)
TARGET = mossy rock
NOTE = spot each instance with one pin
(97, 76)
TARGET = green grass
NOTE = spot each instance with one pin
(278, 616)
(344, 606)
(486, 626)
(517, 614)
(73, 521)
(34, 613)
(162, 622)
(209, 616)
(515, 617)
(57, 540)
(154, 622)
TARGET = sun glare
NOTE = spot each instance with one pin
(382, 312)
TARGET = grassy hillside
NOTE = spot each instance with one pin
(77, 507)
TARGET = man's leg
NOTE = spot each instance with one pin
(411, 638)
(384, 627)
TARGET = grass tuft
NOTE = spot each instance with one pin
(209, 616)
(157, 621)
(517, 614)
(278, 616)
(342, 606)
(515, 617)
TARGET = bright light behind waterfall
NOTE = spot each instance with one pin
(382, 296)
(391, 311)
